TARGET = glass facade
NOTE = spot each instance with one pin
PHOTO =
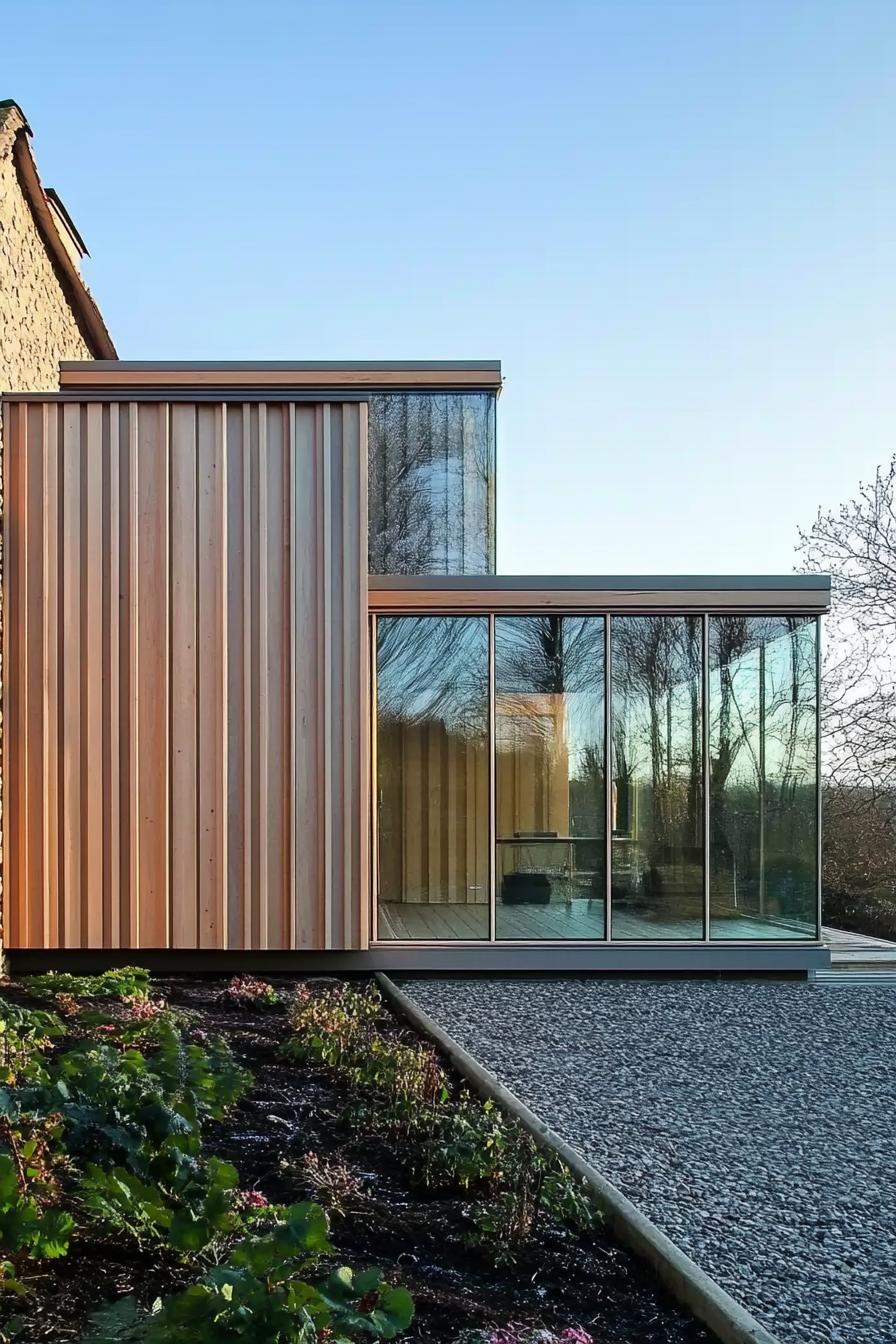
(763, 762)
(550, 808)
(431, 483)
(493, 816)
(432, 777)
(657, 800)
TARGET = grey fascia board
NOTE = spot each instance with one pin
(283, 365)
(229, 394)
(490, 583)
(759, 959)
(236, 393)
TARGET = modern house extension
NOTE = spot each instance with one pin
(266, 699)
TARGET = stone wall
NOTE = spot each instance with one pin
(37, 325)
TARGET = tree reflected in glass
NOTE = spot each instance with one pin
(431, 483)
(549, 777)
(657, 803)
(763, 787)
(432, 776)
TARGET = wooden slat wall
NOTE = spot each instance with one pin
(186, 698)
(531, 764)
(434, 800)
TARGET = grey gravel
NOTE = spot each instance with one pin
(754, 1123)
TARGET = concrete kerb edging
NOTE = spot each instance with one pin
(728, 1320)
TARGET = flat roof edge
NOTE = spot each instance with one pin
(597, 583)
(154, 377)
(281, 365)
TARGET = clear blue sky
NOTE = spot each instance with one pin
(674, 222)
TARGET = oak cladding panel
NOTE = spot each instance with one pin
(185, 749)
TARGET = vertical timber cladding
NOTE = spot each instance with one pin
(186, 700)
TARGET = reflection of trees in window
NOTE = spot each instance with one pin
(586, 790)
(557, 663)
(623, 780)
(658, 851)
(432, 768)
(434, 668)
(549, 767)
(657, 676)
(790, 711)
(732, 717)
(763, 708)
(431, 469)
(550, 654)
(763, 711)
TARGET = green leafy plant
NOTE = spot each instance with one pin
(195, 1212)
(133, 1126)
(34, 1142)
(25, 1036)
(261, 1296)
(208, 1215)
(111, 1132)
(31, 1226)
(331, 1028)
(467, 1146)
(124, 1203)
(118, 1102)
(133, 1021)
(203, 1080)
(27, 1230)
(247, 991)
(103, 1117)
(443, 1134)
(119, 983)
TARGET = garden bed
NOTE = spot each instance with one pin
(305, 1129)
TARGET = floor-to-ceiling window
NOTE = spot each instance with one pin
(550, 801)
(432, 777)
(763, 790)
(657, 781)
(494, 818)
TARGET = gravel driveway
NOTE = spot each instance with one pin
(754, 1123)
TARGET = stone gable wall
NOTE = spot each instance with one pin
(37, 325)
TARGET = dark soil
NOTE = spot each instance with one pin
(416, 1237)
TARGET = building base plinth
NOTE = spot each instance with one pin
(713, 959)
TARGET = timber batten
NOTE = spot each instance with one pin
(186, 758)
